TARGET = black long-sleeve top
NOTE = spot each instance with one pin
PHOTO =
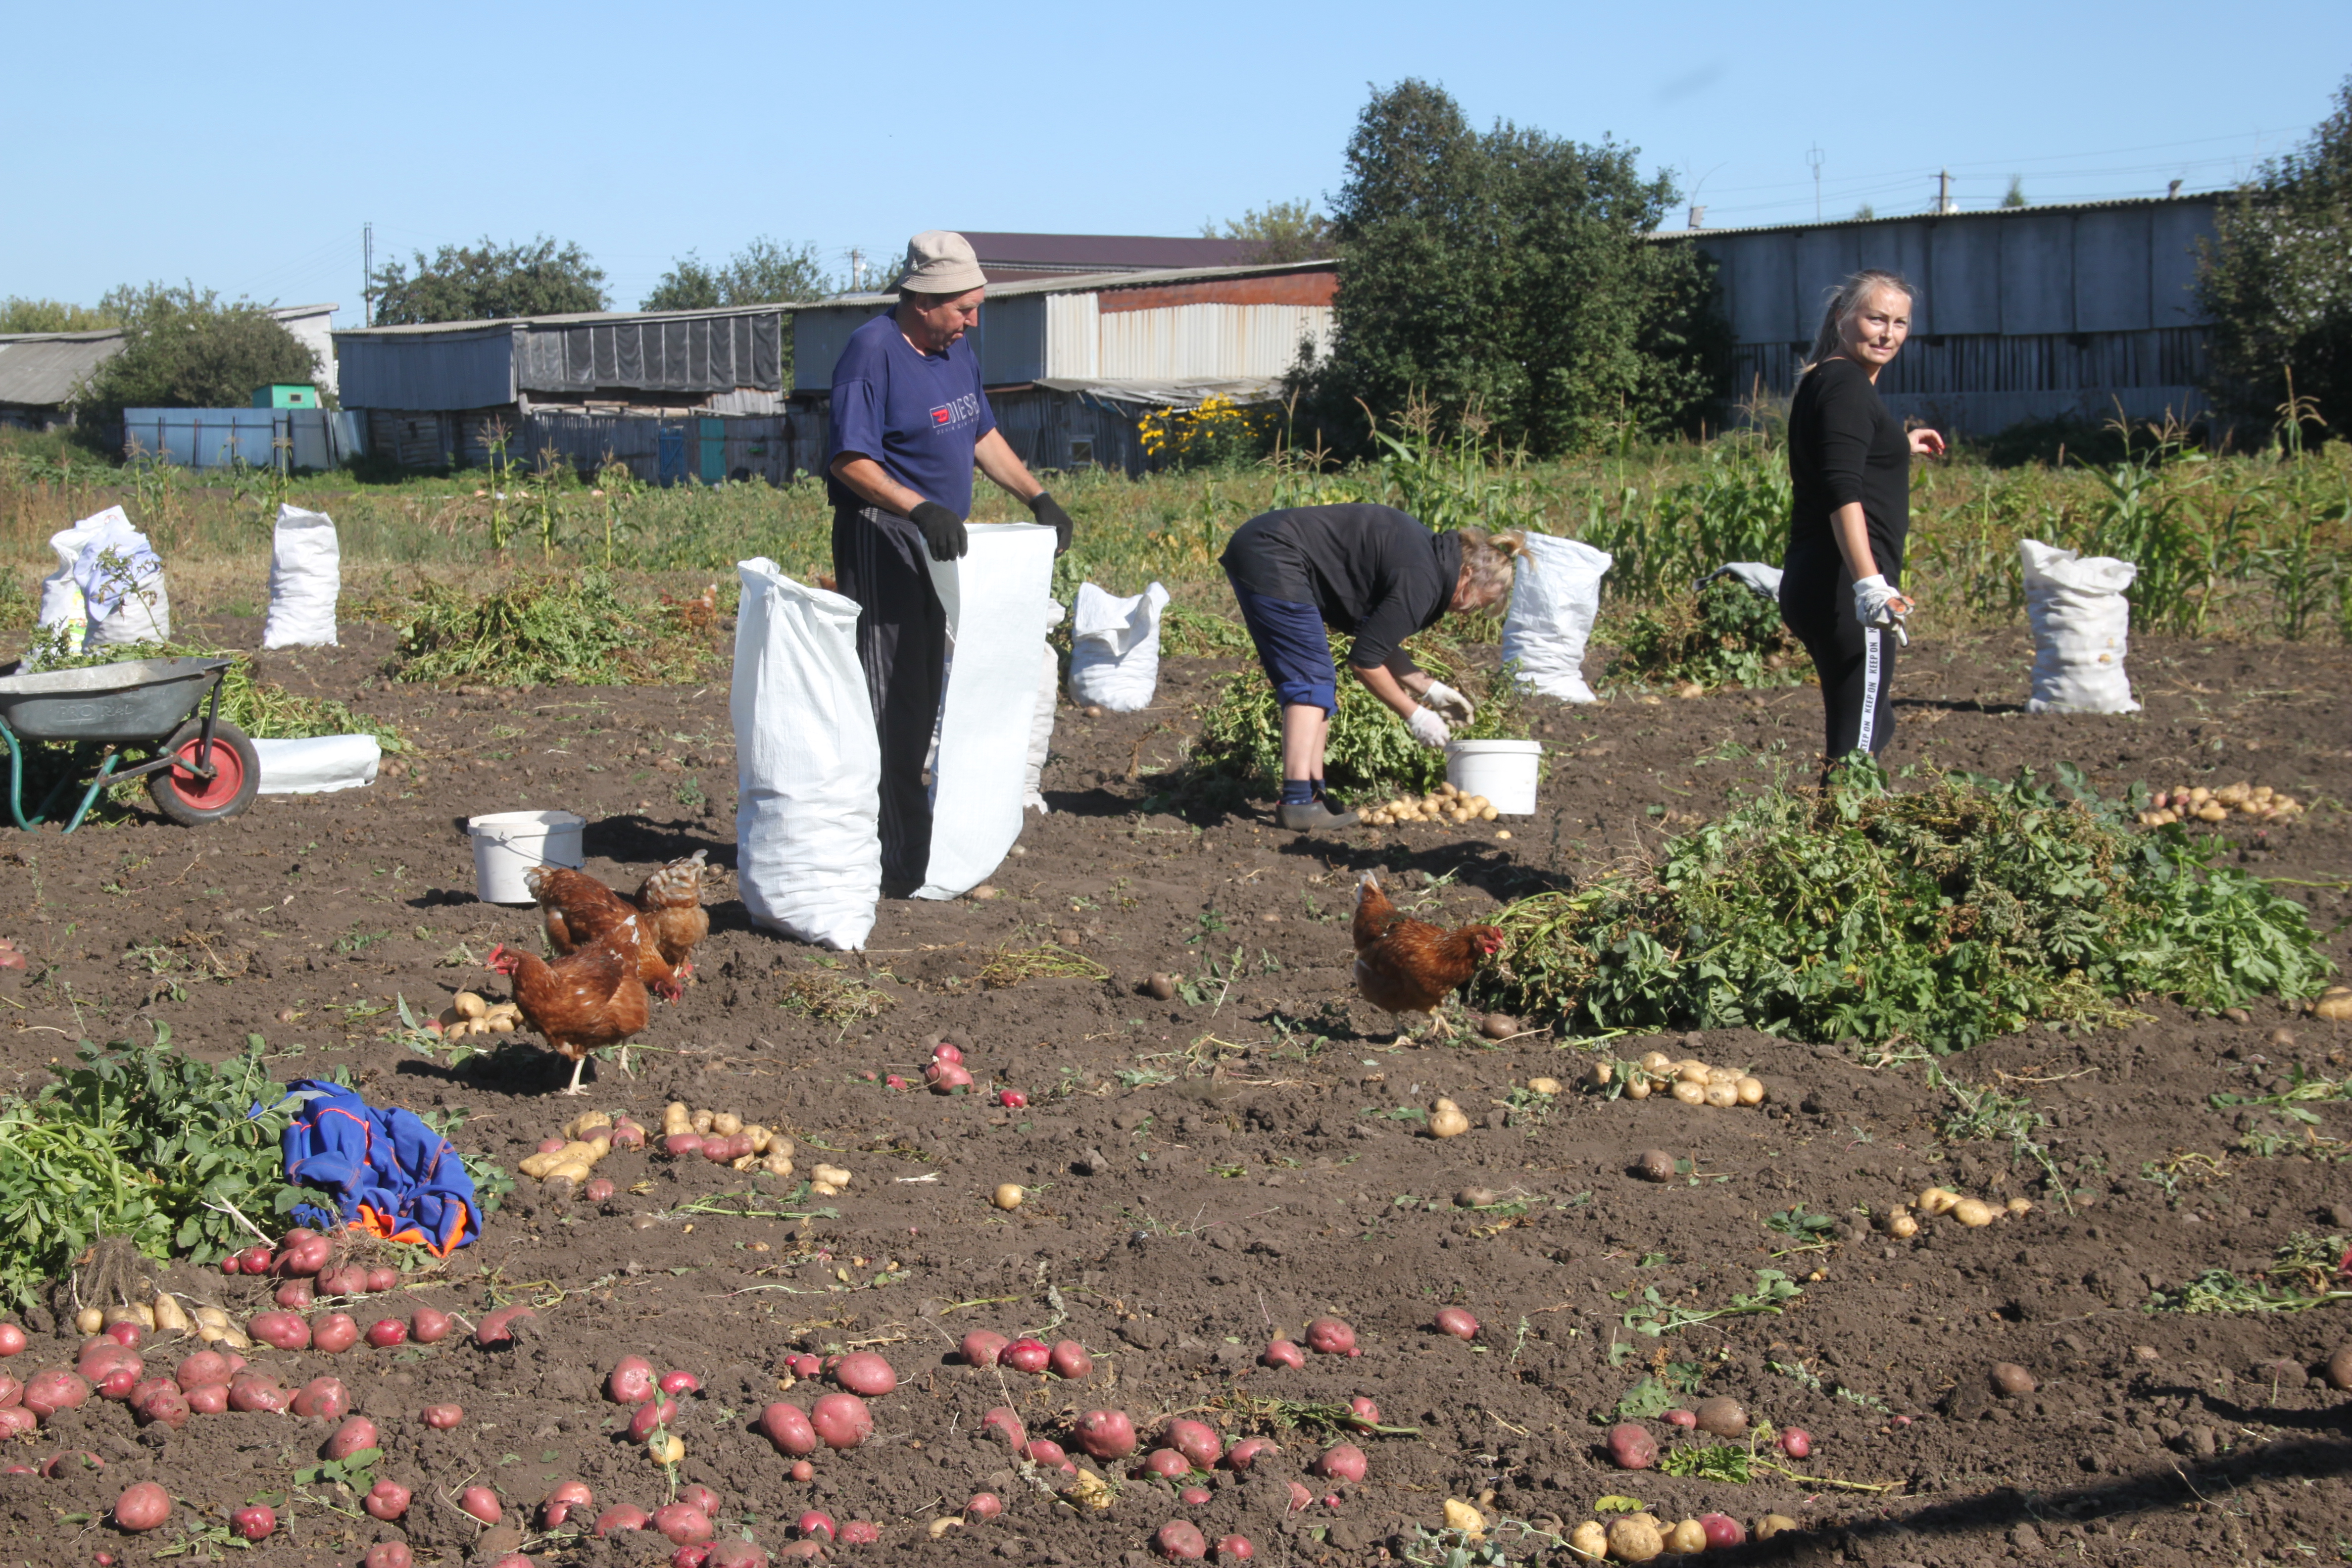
(1844, 447)
(1369, 570)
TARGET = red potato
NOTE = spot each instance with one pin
(257, 1391)
(147, 1385)
(557, 1505)
(344, 1280)
(1284, 1353)
(254, 1523)
(254, 1260)
(441, 1418)
(383, 1277)
(103, 1355)
(386, 1332)
(623, 1517)
(1107, 1434)
(946, 1078)
(166, 1405)
(389, 1554)
(12, 1340)
(699, 1496)
(628, 1135)
(737, 1552)
(864, 1372)
(599, 1191)
(1630, 1448)
(1236, 1547)
(1179, 1541)
(893, 1081)
(282, 1331)
(207, 1398)
(47, 1393)
(551, 1146)
(722, 1151)
(356, 1433)
(1197, 1441)
(232, 1264)
(1003, 1422)
(1238, 1457)
(652, 1414)
(1165, 1463)
(117, 1385)
(678, 1145)
(682, 1524)
(1332, 1336)
(126, 1334)
(322, 1398)
(801, 1470)
(334, 1333)
(1047, 1455)
(1194, 1496)
(786, 1425)
(482, 1503)
(304, 1253)
(982, 1346)
(857, 1533)
(1341, 1462)
(806, 1366)
(428, 1325)
(631, 1381)
(680, 1382)
(1458, 1323)
(815, 1525)
(1011, 1100)
(1362, 1414)
(11, 1391)
(1070, 1360)
(1796, 1443)
(1686, 1419)
(947, 1051)
(1025, 1356)
(983, 1505)
(842, 1420)
(1722, 1530)
(204, 1366)
(141, 1507)
(498, 1328)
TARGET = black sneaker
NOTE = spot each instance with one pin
(1315, 814)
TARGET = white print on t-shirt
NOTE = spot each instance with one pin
(961, 411)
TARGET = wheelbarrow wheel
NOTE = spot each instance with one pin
(189, 798)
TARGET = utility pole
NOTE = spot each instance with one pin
(858, 272)
(367, 274)
(1813, 158)
(1944, 201)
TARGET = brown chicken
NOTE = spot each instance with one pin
(588, 997)
(1408, 966)
(580, 909)
(671, 901)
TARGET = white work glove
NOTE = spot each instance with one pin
(1450, 702)
(1877, 605)
(1429, 728)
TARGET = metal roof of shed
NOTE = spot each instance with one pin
(1880, 220)
(41, 369)
(1010, 255)
(1090, 283)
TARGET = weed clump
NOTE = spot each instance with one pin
(541, 631)
(1726, 634)
(1966, 909)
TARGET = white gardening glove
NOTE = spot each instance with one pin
(1877, 605)
(1450, 702)
(1429, 728)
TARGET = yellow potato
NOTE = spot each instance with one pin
(1589, 1540)
(824, 1189)
(584, 1123)
(1974, 1213)
(1598, 1076)
(704, 1120)
(1688, 1092)
(1656, 1063)
(1936, 1200)
(2021, 1205)
(1723, 1075)
(1751, 1090)
(1488, 814)
(169, 1317)
(777, 1165)
(761, 1137)
(1637, 1088)
(1901, 1226)
(1687, 1537)
(89, 1321)
(1007, 1196)
(1446, 1120)
(1690, 1069)
(676, 1118)
(1634, 1538)
(211, 1317)
(1722, 1096)
(469, 1005)
(832, 1174)
(1550, 1085)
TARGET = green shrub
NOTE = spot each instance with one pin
(1726, 634)
(540, 631)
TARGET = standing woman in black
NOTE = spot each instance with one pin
(1849, 462)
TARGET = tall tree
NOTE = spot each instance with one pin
(185, 349)
(761, 273)
(1510, 274)
(1279, 231)
(22, 315)
(2275, 283)
(489, 280)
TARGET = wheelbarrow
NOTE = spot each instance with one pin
(206, 769)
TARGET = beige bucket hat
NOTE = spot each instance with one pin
(940, 261)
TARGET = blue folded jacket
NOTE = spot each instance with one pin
(388, 1172)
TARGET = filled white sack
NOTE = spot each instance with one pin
(318, 765)
(808, 765)
(1041, 724)
(995, 598)
(306, 575)
(62, 603)
(121, 579)
(1555, 598)
(1115, 648)
(2082, 626)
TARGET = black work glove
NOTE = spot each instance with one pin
(1048, 511)
(942, 530)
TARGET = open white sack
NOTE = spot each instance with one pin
(318, 765)
(1555, 598)
(1041, 724)
(306, 575)
(62, 603)
(808, 765)
(2082, 626)
(121, 580)
(1115, 647)
(995, 598)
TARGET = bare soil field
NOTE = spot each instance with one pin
(1205, 1174)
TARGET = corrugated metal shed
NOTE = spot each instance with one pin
(1009, 256)
(450, 366)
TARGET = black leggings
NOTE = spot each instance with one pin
(902, 640)
(1856, 663)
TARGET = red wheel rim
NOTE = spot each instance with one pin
(207, 795)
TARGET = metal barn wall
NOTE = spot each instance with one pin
(470, 370)
(697, 353)
(1074, 336)
(316, 438)
(1052, 429)
(754, 448)
(1208, 342)
(819, 335)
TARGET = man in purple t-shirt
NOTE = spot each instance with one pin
(909, 421)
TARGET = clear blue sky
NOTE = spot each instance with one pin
(243, 146)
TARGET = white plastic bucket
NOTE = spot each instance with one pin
(1502, 771)
(508, 843)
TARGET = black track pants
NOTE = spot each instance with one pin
(1856, 663)
(879, 560)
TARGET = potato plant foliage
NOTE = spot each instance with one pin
(145, 1142)
(1944, 915)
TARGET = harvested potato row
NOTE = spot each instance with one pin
(468, 1014)
(768, 1150)
(2201, 805)
(1974, 1213)
(1689, 1081)
(1445, 804)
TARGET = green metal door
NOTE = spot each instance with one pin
(714, 451)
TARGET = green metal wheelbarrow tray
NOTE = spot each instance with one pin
(204, 770)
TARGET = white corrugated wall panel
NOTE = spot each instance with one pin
(1176, 342)
(1073, 341)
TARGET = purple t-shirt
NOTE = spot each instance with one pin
(919, 416)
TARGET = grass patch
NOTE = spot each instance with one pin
(833, 998)
(1011, 966)
(1945, 916)
(546, 631)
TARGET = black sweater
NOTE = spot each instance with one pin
(1369, 570)
(1844, 447)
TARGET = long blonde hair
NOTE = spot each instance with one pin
(1846, 299)
(1488, 560)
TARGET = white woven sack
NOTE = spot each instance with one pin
(808, 765)
(320, 764)
(1555, 598)
(2082, 626)
(1115, 648)
(306, 575)
(62, 603)
(121, 579)
(995, 598)
(1041, 725)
